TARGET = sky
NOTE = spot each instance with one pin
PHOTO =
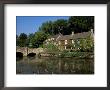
(31, 24)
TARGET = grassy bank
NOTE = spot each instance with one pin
(77, 54)
(68, 54)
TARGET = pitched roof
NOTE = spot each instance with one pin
(65, 37)
(55, 36)
(75, 36)
(82, 35)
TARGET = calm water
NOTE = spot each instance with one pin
(52, 65)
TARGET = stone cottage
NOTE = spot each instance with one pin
(65, 41)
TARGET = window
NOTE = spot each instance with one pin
(59, 42)
(78, 41)
(49, 39)
(73, 41)
(53, 38)
(65, 47)
(54, 43)
(66, 42)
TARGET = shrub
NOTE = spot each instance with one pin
(51, 48)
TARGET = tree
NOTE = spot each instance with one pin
(17, 40)
(47, 27)
(81, 23)
(56, 27)
(39, 38)
(30, 40)
(22, 40)
(60, 26)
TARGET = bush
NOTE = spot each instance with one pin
(51, 48)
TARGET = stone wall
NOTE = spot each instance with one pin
(26, 50)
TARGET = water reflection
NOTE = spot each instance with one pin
(53, 65)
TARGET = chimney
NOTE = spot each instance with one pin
(72, 33)
(92, 32)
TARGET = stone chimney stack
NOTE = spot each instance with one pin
(72, 33)
(92, 32)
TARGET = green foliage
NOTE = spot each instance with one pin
(39, 38)
(51, 48)
(47, 27)
(74, 23)
(63, 53)
(81, 23)
(21, 40)
(32, 40)
(60, 26)
(84, 45)
(76, 54)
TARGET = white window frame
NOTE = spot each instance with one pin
(66, 42)
(59, 42)
(72, 41)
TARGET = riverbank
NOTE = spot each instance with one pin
(66, 54)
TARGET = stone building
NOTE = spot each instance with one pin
(65, 41)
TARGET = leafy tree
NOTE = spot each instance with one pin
(21, 41)
(30, 40)
(17, 40)
(23, 36)
(60, 26)
(39, 38)
(81, 23)
(47, 27)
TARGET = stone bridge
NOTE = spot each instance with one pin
(26, 50)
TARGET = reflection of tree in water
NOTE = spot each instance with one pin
(57, 66)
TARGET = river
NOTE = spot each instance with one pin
(53, 65)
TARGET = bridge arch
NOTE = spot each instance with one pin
(26, 51)
(19, 54)
(31, 54)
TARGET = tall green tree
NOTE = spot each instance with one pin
(30, 40)
(39, 38)
(60, 26)
(47, 27)
(81, 23)
(17, 40)
(22, 40)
